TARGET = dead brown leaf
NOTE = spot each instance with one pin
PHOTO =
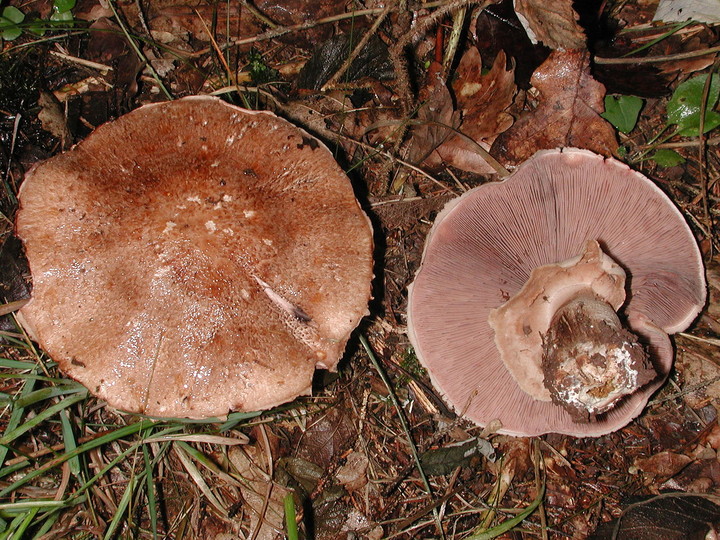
(570, 101)
(52, 117)
(684, 44)
(482, 100)
(437, 111)
(263, 497)
(353, 475)
(664, 464)
(552, 23)
(327, 438)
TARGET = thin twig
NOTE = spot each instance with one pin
(137, 50)
(657, 59)
(102, 68)
(404, 423)
(453, 41)
(282, 30)
(358, 48)
(259, 16)
(702, 149)
(269, 488)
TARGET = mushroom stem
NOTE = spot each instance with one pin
(589, 360)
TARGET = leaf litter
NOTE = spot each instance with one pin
(412, 135)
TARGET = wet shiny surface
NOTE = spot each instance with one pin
(146, 244)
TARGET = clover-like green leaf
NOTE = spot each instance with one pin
(62, 17)
(13, 14)
(9, 20)
(622, 111)
(686, 103)
(667, 158)
(63, 6)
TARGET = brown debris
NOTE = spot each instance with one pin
(482, 100)
(368, 485)
(552, 23)
(567, 113)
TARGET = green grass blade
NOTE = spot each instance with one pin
(403, 421)
(290, 523)
(150, 491)
(30, 505)
(122, 507)
(48, 393)
(42, 417)
(15, 419)
(114, 435)
(25, 523)
(509, 524)
(70, 443)
(7, 363)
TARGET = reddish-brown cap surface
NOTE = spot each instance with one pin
(483, 247)
(192, 258)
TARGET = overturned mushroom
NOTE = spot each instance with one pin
(513, 309)
(192, 258)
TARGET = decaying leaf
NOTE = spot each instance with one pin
(327, 438)
(353, 475)
(373, 62)
(663, 464)
(498, 29)
(668, 516)
(263, 497)
(52, 117)
(681, 10)
(552, 23)
(292, 12)
(568, 113)
(435, 112)
(482, 100)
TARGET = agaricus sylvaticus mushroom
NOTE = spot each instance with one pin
(513, 310)
(193, 258)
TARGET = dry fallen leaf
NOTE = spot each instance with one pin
(263, 497)
(551, 23)
(52, 117)
(482, 100)
(568, 113)
(663, 464)
(435, 112)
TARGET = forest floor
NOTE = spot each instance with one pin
(374, 452)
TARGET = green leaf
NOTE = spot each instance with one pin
(11, 17)
(62, 17)
(38, 27)
(13, 14)
(508, 525)
(667, 158)
(62, 6)
(10, 34)
(686, 103)
(622, 111)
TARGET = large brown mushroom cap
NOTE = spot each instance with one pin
(193, 258)
(483, 247)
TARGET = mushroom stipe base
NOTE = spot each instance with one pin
(590, 361)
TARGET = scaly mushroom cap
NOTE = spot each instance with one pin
(484, 246)
(193, 258)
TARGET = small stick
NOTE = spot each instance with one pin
(657, 59)
(358, 48)
(104, 69)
